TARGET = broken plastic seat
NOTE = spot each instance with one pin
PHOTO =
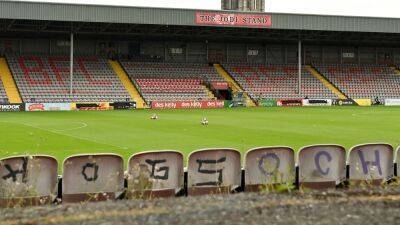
(28, 180)
(155, 174)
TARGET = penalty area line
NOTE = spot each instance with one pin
(82, 125)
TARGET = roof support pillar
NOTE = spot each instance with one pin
(299, 66)
(71, 64)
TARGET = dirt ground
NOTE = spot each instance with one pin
(355, 206)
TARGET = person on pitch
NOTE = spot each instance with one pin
(204, 121)
(154, 117)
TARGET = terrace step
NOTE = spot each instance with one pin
(326, 82)
(133, 92)
(209, 93)
(233, 84)
(9, 83)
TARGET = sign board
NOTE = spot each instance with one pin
(392, 102)
(63, 43)
(267, 103)
(30, 178)
(252, 52)
(96, 106)
(155, 174)
(213, 171)
(92, 177)
(343, 102)
(187, 104)
(348, 54)
(290, 102)
(317, 102)
(371, 163)
(269, 165)
(123, 105)
(322, 166)
(176, 50)
(47, 107)
(233, 19)
(219, 85)
(11, 107)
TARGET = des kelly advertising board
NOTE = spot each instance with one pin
(187, 104)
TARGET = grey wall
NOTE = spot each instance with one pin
(34, 46)
(236, 53)
(9, 45)
(197, 52)
(276, 54)
(217, 52)
(153, 48)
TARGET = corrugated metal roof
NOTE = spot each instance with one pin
(184, 17)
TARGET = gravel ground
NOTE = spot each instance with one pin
(356, 207)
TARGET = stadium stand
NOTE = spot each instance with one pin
(43, 78)
(3, 95)
(126, 81)
(8, 84)
(234, 85)
(172, 81)
(277, 81)
(363, 81)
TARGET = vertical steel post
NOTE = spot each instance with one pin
(71, 64)
(299, 61)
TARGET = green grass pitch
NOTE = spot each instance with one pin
(61, 134)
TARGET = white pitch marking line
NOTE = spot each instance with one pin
(83, 125)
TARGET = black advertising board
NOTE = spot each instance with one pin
(123, 105)
(11, 107)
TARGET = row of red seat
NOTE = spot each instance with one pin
(355, 70)
(180, 81)
(152, 86)
(32, 66)
(265, 70)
